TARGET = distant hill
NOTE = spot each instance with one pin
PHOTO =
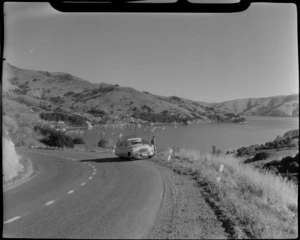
(271, 106)
(66, 92)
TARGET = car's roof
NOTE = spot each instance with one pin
(132, 139)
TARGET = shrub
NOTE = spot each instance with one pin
(97, 112)
(285, 166)
(261, 156)
(215, 151)
(58, 140)
(54, 138)
(105, 143)
(78, 140)
(69, 93)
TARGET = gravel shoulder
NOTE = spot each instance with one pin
(184, 213)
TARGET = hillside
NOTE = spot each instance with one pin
(63, 91)
(271, 106)
(279, 156)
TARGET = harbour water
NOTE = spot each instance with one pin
(201, 136)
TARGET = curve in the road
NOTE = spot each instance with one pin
(62, 195)
(62, 201)
(57, 198)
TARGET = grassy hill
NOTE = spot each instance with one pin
(271, 106)
(279, 156)
(50, 91)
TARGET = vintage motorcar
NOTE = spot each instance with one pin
(134, 148)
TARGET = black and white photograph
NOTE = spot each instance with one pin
(150, 124)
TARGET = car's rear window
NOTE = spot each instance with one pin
(135, 142)
(127, 143)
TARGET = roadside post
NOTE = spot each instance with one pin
(114, 148)
(170, 154)
(220, 171)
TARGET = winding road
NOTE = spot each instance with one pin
(83, 195)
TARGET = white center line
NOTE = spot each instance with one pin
(71, 191)
(94, 173)
(49, 203)
(12, 219)
(90, 178)
(82, 184)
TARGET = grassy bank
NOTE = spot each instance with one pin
(251, 204)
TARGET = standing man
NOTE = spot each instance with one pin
(152, 140)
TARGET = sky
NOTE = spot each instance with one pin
(210, 57)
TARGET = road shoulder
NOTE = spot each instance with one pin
(184, 212)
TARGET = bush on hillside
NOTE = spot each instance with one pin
(54, 138)
(58, 140)
(105, 143)
(261, 156)
(97, 112)
(216, 151)
(78, 140)
(287, 167)
(246, 151)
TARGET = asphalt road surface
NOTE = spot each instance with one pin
(83, 195)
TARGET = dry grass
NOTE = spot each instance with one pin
(255, 204)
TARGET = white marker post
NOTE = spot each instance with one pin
(114, 149)
(221, 168)
(169, 158)
(120, 135)
(220, 171)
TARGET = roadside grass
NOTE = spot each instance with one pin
(250, 203)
